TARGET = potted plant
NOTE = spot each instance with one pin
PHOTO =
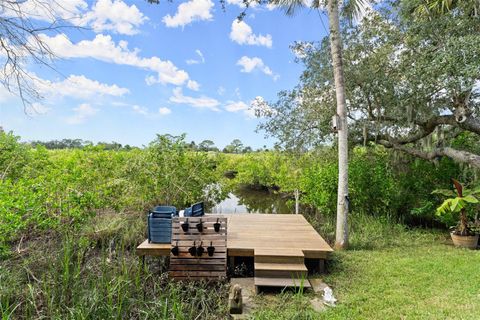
(456, 203)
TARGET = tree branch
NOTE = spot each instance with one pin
(426, 128)
(456, 155)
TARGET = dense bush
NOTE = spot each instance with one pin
(42, 189)
(381, 182)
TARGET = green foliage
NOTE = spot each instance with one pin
(236, 146)
(407, 85)
(42, 189)
(454, 204)
(95, 274)
(390, 272)
(382, 183)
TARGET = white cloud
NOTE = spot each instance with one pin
(200, 102)
(5, 95)
(233, 106)
(78, 86)
(37, 109)
(271, 6)
(193, 85)
(200, 60)
(114, 15)
(82, 113)
(238, 93)
(164, 111)
(47, 10)
(242, 33)
(103, 48)
(251, 64)
(188, 12)
(140, 110)
(221, 91)
(105, 15)
(240, 106)
(241, 4)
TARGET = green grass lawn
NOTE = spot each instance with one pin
(389, 272)
(407, 275)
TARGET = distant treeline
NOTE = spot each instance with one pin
(79, 144)
(236, 146)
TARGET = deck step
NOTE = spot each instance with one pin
(281, 282)
(281, 266)
(281, 270)
(288, 256)
(279, 252)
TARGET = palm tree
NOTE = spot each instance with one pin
(352, 9)
(434, 8)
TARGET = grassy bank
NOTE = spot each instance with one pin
(390, 272)
(93, 273)
(70, 221)
(393, 273)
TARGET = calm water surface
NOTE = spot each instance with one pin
(245, 200)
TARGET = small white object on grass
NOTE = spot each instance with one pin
(328, 297)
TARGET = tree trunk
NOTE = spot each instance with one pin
(341, 238)
(464, 223)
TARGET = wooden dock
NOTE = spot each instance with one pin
(278, 243)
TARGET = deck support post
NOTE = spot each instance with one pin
(321, 266)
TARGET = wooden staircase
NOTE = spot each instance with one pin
(280, 268)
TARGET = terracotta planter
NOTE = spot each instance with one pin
(469, 242)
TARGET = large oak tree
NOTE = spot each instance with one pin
(412, 84)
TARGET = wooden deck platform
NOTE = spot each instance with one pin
(278, 243)
(279, 232)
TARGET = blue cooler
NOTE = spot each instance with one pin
(160, 224)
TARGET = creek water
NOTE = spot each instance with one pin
(244, 200)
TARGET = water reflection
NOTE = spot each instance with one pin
(244, 200)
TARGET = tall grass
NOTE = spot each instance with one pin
(81, 276)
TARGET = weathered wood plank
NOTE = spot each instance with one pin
(186, 266)
(153, 249)
(197, 267)
(281, 282)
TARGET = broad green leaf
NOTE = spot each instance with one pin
(444, 207)
(456, 205)
(444, 192)
(470, 199)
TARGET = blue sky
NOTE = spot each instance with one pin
(136, 69)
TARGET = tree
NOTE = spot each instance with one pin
(236, 146)
(435, 8)
(409, 87)
(207, 145)
(247, 149)
(21, 43)
(351, 8)
(341, 232)
(192, 145)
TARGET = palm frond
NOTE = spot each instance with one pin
(354, 10)
(289, 6)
